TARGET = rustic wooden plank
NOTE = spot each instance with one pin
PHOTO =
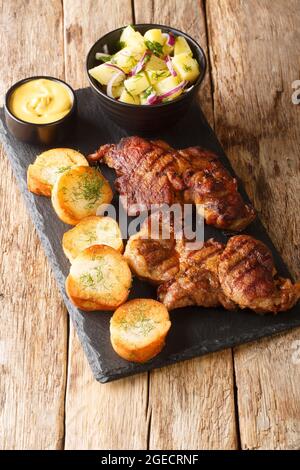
(33, 338)
(191, 405)
(110, 416)
(255, 50)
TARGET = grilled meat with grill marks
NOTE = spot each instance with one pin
(152, 255)
(197, 282)
(247, 276)
(238, 275)
(152, 172)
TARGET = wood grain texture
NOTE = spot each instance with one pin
(84, 23)
(191, 404)
(255, 54)
(111, 416)
(33, 338)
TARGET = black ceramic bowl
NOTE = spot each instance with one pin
(141, 118)
(33, 133)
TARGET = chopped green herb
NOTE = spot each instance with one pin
(129, 92)
(103, 58)
(155, 47)
(62, 169)
(88, 188)
(147, 92)
(140, 322)
(122, 44)
(137, 76)
(87, 280)
(187, 68)
(160, 74)
(90, 237)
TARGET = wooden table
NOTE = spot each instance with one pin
(245, 398)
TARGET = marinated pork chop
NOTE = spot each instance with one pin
(247, 276)
(150, 256)
(197, 282)
(238, 275)
(154, 173)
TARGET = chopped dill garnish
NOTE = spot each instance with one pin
(90, 280)
(140, 322)
(62, 169)
(155, 47)
(87, 280)
(90, 237)
(147, 92)
(88, 188)
(187, 68)
(159, 74)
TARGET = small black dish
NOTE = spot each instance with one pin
(140, 118)
(44, 134)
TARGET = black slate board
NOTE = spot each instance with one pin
(195, 331)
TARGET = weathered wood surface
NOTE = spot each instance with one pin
(33, 338)
(255, 56)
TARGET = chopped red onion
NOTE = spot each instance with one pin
(114, 80)
(189, 89)
(152, 99)
(170, 66)
(114, 67)
(170, 39)
(174, 90)
(140, 65)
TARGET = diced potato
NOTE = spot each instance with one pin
(182, 47)
(126, 59)
(128, 98)
(167, 85)
(127, 32)
(155, 76)
(149, 91)
(155, 35)
(103, 74)
(186, 67)
(136, 42)
(155, 63)
(117, 90)
(167, 50)
(136, 84)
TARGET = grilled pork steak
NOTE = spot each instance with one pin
(152, 172)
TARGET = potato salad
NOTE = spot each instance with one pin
(154, 68)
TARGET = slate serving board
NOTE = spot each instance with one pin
(195, 331)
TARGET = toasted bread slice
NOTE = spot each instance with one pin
(79, 192)
(99, 279)
(138, 329)
(48, 166)
(93, 230)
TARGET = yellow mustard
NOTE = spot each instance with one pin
(41, 101)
